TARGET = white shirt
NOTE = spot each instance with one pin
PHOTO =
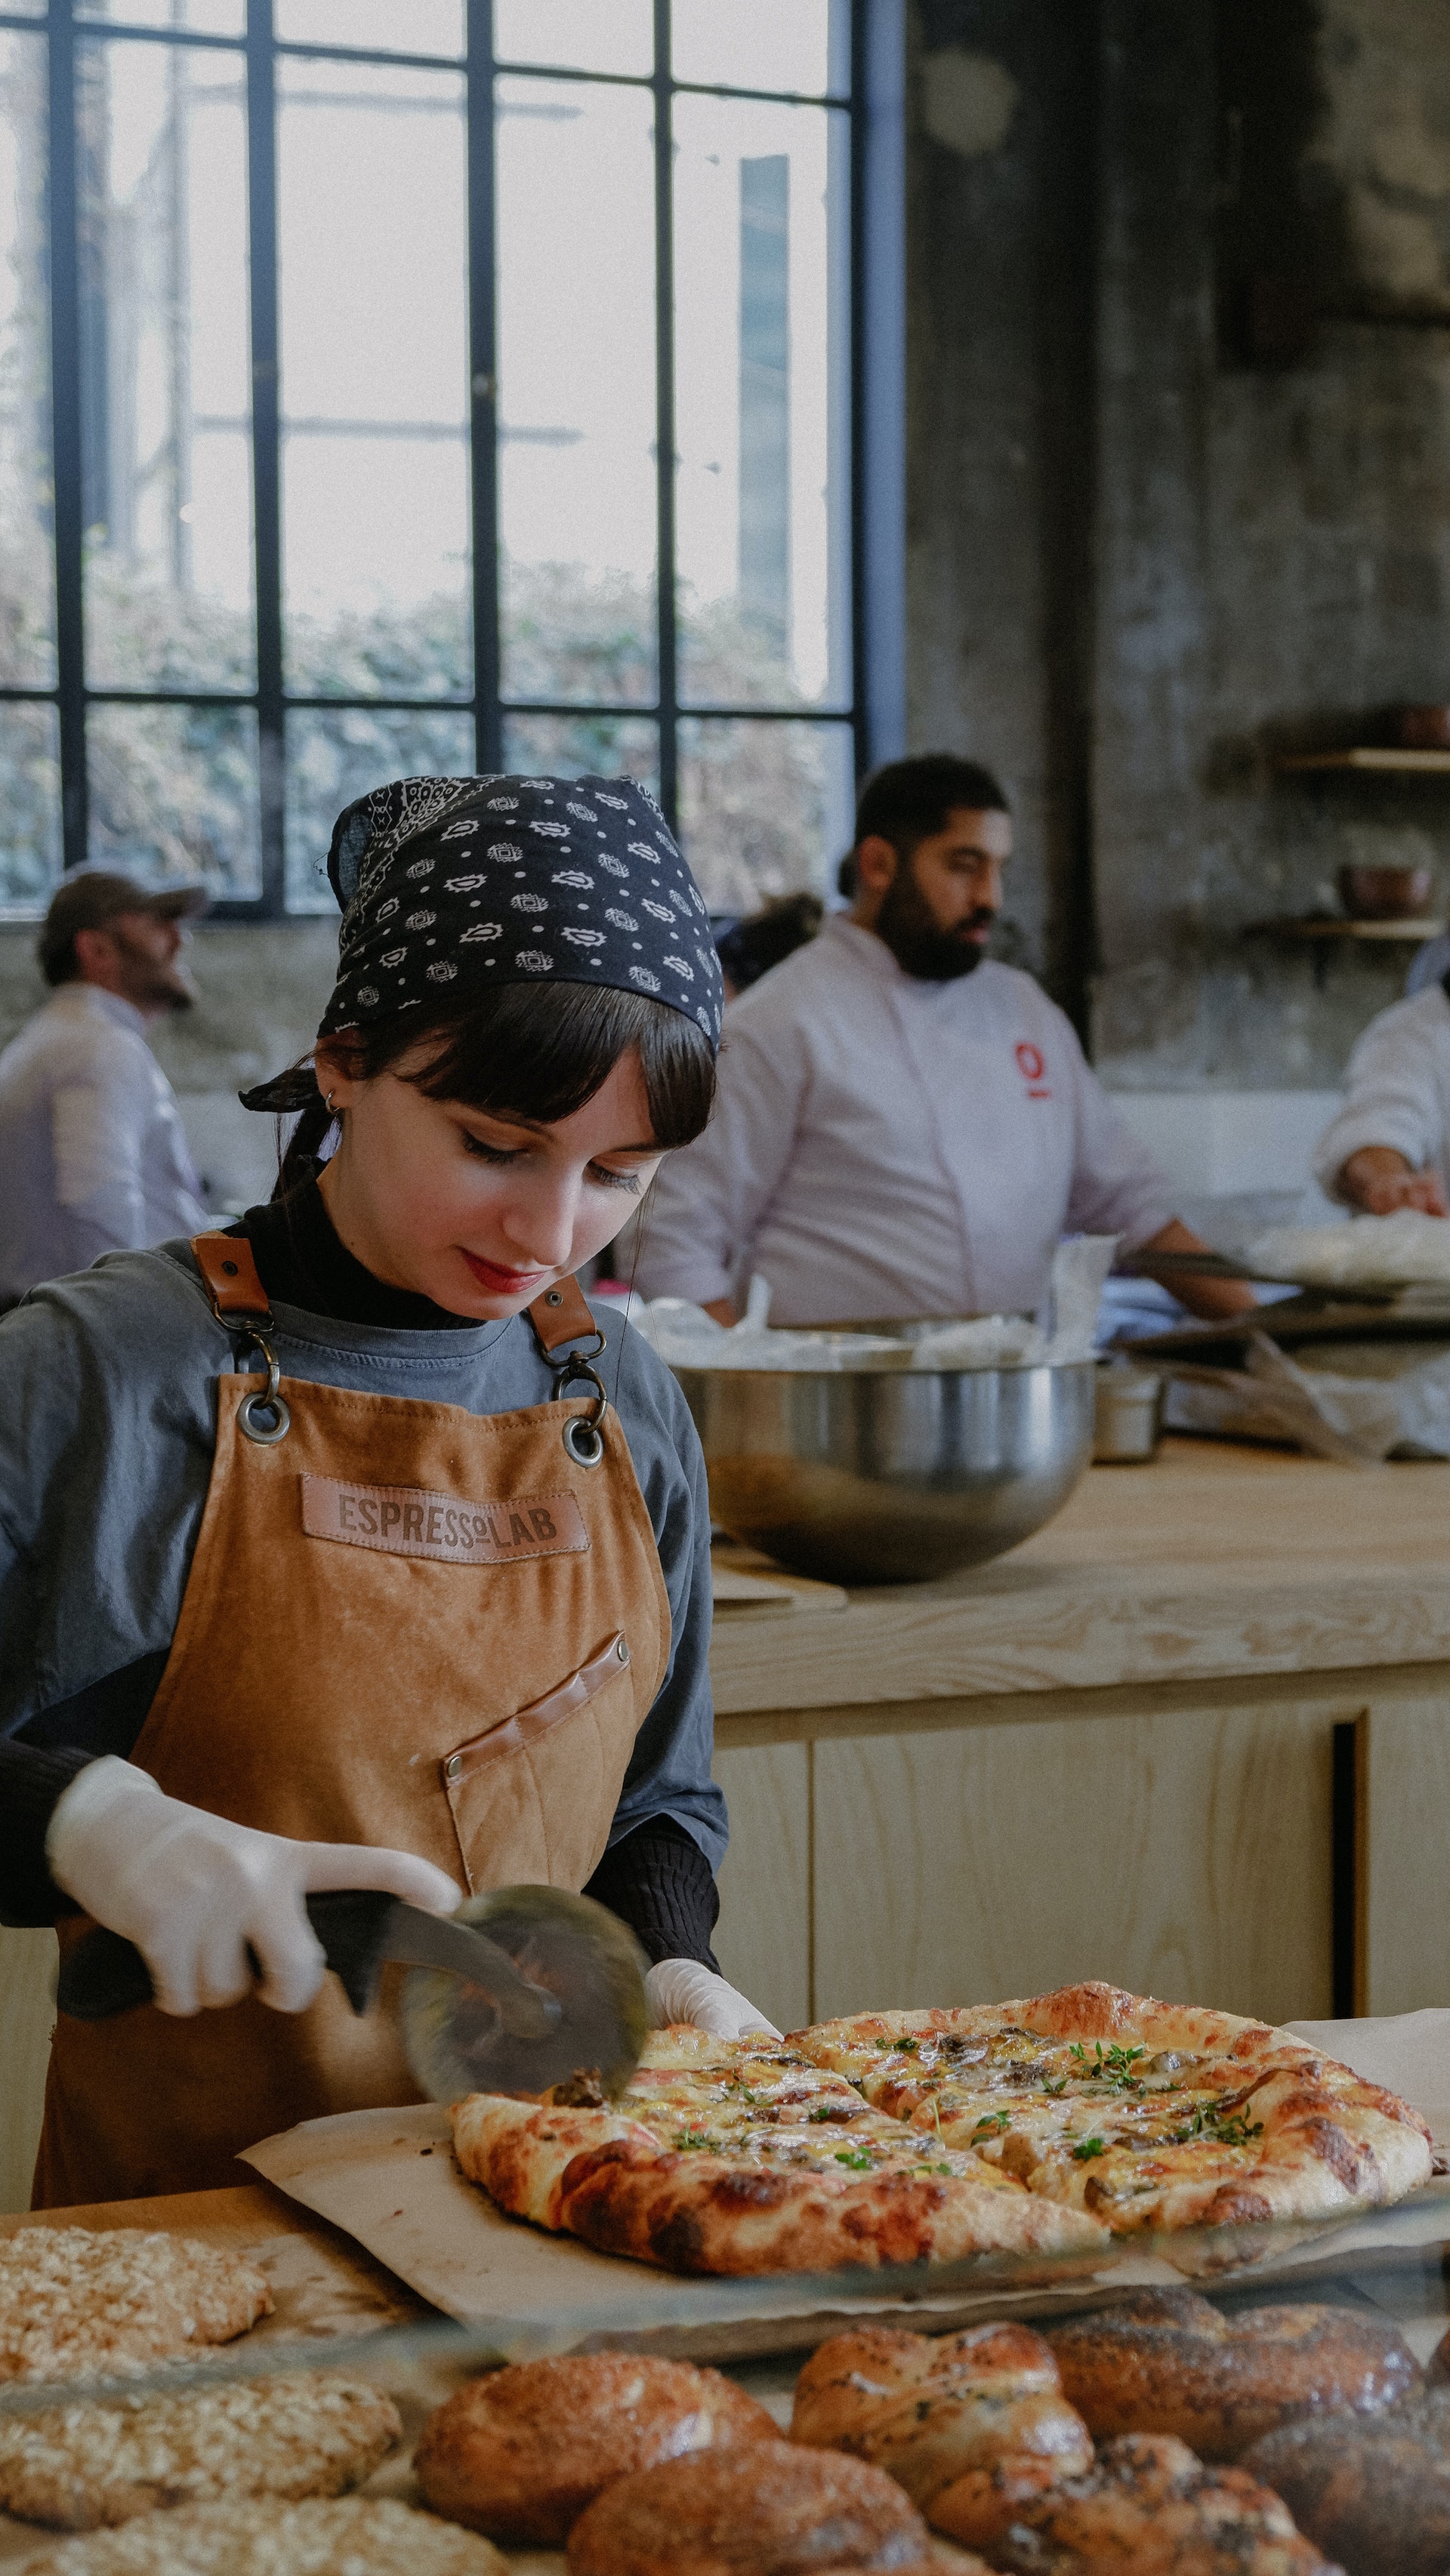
(92, 1150)
(1397, 1091)
(885, 1146)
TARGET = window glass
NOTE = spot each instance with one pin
(27, 563)
(587, 35)
(554, 746)
(576, 390)
(335, 755)
(375, 477)
(763, 807)
(174, 794)
(759, 44)
(373, 26)
(187, 17)
(29, 807)
(166, 367)
(762, 402)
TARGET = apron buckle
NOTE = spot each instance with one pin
(582, 1435)
(264, 1415)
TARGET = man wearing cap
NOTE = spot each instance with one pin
(91, 1141)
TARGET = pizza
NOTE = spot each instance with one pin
(1045, 2127)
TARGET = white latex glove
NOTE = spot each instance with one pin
(681, 1990)
(192, 1891)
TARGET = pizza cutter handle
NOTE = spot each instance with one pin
(105, 1974)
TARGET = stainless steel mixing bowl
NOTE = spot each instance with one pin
(894, 1475)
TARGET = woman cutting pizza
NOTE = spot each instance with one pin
(328, 1555)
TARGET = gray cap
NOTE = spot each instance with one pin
(88, 898)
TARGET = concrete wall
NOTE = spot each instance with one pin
(1180, 487)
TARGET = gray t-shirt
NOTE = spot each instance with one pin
(108, 1396)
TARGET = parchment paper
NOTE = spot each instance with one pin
(389, 2178)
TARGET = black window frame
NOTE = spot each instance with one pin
(874, 710)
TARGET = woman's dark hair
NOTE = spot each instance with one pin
(528, 1051)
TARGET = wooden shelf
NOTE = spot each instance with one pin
(1289, 927)
(1409, 764)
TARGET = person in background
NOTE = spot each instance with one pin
(905, 1127)
(749, 948)
(91, 1142)
(1389, 1145)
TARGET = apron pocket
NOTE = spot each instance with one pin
(532, 1801)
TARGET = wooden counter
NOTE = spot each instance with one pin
(1112, 1753)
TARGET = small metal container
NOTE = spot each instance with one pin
(1129, 1415)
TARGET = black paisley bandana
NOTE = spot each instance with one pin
(489, 881)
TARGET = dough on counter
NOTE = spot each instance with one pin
(261, 2536)
(78, 2467)
(974, 2425)
(1167, 2361)
(1150, 2505)
(77, 2302)
(772, 2511)
(519, 2454)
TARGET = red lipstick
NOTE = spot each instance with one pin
(502, 1283)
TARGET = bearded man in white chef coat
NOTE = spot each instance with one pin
(905, 1127)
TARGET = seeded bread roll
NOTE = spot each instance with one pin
(1168, 2361)
(769, 2510)
(974, 2426)
(521, 2453)
(1375, 2495)
(1149, 2508)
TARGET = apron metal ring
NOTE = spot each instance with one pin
(263, 1415)
(583, 1440)
(583, 1437)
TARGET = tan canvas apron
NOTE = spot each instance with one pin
(404, 1624)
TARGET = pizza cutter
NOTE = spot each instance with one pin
(551, 1991)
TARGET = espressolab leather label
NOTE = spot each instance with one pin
(453, 1529)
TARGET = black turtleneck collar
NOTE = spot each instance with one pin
(304, 1262)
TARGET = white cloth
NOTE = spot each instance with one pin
(682, 1990)
(92, 1147)
(1396, 1091)
(196, 1893)
(887, 1147)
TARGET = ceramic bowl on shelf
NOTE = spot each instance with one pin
(1385, 894)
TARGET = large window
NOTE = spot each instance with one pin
(397, 385)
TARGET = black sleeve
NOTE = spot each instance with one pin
(32, 1777)
(658, 1881)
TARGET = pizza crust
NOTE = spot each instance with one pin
(1045, 2125)
(1151, 2116)
(611, 2183)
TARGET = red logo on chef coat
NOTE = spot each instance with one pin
(1031, 1064)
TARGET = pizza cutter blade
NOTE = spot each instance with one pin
(518, 1991)
(458, 2038)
